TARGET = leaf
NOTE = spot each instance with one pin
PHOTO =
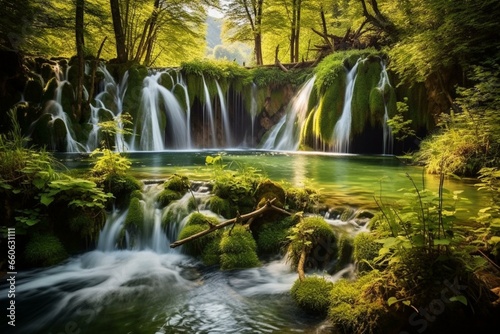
(459, 298)
(444, 242)
(407, 302)
(46, 199)
(392, 300)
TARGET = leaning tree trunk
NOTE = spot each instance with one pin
(121, 51)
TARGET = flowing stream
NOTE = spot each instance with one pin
(143, 286)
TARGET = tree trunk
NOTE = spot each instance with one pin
(80, 43)
(121, 51)
(301, 264)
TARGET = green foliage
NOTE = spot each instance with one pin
(276, 78)
(301, 199)
(109, 162)
(312, 294)
(45, 250)
(119, 125)
(220, 206)
(269, 190)
(207, 246)
(235, 185)
(399, 126)
(238, 249)
(316, 237)
(470, 139)
(489, 217)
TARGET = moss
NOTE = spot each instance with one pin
(323, 247)
(180, 95)
(211, 253)
(268, 190)
(196, 246)
(301, 199)
(177, 183)
(365, 250)
(367, 78)
(329, 110)
(166, 196)
(356, 306)
(312, 294)
(272, 236)
(87, 224)
(49, 91)
(345, 251)
(220, 206)
(45, 250)
(200, 219)
(135, 216)
(166, 80)
(238, 249)
(122, 186)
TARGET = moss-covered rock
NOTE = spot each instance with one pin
(134, 221)
(329, 110)
(268, 190)
(122, 186)
(238, 249)
(166, 196)
(357, 306)
(49, 92)
(272, 236)
(318, 238)
(45, 250)
(177, 183)
(207, 246)
(221, 207)
(366, 249)
(312, 294)
(345, 251)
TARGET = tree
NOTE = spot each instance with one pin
(121, 51)
(244, 23)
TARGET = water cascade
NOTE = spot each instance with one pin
(225, 116)
(208, 111)
(110, 91)
(382, 86)
(342, 130)
(285, 135)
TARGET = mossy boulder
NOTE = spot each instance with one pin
(272, 235)
(345, 251)
(366, 249)
(329, 110)
(207, 246)
(319, 239)
(166, 196)
(268, 190)
(122, 186)
(358, 307)
(238, 249)
(312, 294)
(45, 250)
(221, 207)
(177, 183)
(134, 221)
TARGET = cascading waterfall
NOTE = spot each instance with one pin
(342, 129)
(117, 94)
(285, 134)
(55, 108)
(209, 110)
(225, 116)
(387, 131)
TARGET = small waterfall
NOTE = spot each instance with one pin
(387, 131)
(109, 236)
(55, 108)
(117, 94)
(253, 111)
(285, 134)
(342, 130)
(208, 109)
(225, 116)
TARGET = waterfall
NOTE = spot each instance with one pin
(253, 111)
(108, 238)
(342, 130)
(208, 109)
(55, 108)
(117, 94)
(387, 131)
(160, 111)
(225, 116)
(285, 134)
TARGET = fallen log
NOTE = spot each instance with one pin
(268, 207)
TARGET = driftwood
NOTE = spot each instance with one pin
(268, 207)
